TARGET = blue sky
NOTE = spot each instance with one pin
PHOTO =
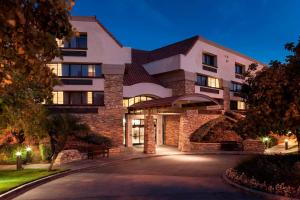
(257, 28)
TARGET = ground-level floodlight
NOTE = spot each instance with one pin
(266, 141)
(19, 160)
(286, 144)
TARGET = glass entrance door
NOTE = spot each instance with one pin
(138, 131)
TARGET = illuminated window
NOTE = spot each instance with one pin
(89, 98)
(125, 102)
(56, 67)
(137, 99)
(60, 43)
(58, 97)
(208, 81)
(213, 82)
(241, 105)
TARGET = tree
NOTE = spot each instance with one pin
(60, 126)
(28, 33)
(273, 97)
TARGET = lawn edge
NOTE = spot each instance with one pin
(14, 192)
(257, 192)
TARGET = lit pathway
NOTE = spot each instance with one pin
(184, 177)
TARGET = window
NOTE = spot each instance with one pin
(77, 42)
(208, 81)
(241, 105)
(239, 69)
(77, 70)
(202, 80)
(209, 59)
(78, 98)
(56, 67)
(130, 101)
(213, 82)
(58, 97)
(236, 87)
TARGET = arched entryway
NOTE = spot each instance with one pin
(156, 111)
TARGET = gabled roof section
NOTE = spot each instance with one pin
(94, 19)
(181, 47)
(135, 73)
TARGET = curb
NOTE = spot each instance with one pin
(28, 186)
(13, 193)
(257, 192)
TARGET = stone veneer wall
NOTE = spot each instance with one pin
(182, 87)
(109, 119)
(189, 122)
(172, 130)
(149, 135)
(204, 147)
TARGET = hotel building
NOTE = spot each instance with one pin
(146, 97)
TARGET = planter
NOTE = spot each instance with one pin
(205, 147)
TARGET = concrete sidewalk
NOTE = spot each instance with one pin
(280, 148)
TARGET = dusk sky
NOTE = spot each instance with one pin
(257, 28)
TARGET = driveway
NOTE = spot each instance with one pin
(185, 177)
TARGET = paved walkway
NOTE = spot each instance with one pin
(168, 177)
(280, 148)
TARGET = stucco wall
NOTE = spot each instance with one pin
(146, 89)
(101, 47)
(98, 85)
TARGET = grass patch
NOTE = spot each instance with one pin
(273, 169)
(10, 179)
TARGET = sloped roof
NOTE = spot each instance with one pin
(135, 73)
(181, 47)
(94, 19)
(170, 101)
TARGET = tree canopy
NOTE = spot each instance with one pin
(273, 97)
(28, 41)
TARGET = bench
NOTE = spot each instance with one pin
(97, 150)
(230, 146)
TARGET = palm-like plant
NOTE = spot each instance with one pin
(60, 126)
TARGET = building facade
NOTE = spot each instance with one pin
(145, 97)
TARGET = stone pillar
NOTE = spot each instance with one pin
(226, 95)
(113, 97)
(159, 134)
(186, 127)
(149, 135)
(128, 132)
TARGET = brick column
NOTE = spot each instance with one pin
(128, 132)
(149, 135)
(113, 97)
(226, 95)
(187, 123)
(159, 131)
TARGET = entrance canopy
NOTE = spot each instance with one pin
(176, 103)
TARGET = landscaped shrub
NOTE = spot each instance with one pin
(272, 141)
(8, 153)
(45, 151)
(273, 169)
